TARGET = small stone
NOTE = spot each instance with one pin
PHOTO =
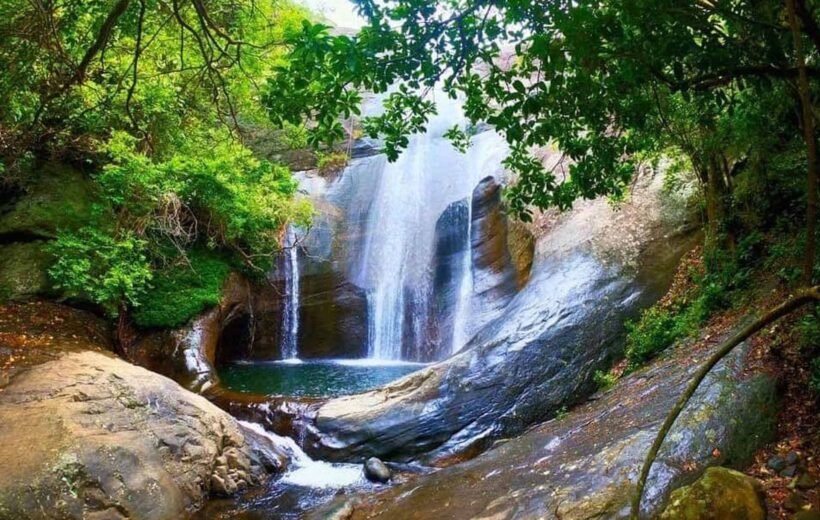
(794, 502)
(792, 458)
(789, 472)
(806, 481)
(376, 470)
(776, 463)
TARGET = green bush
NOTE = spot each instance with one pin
(181, 292)
(97, 266)
(329, 163)
(604, 380)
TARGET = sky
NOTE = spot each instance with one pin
(340, 12)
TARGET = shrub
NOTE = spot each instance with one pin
(604, 380)
(330, 163)
(95, 265)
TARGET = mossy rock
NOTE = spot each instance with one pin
(58, 197)
(720, 493)
(24, 270)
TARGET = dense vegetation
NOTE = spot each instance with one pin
(153, 99)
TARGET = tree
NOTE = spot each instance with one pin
(134, 92)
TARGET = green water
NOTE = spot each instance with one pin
(312, 378)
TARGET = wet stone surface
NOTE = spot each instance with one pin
(584, 465)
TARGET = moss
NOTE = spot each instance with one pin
(719, 493)
(181, 292)
(754, 424)
(58, 198)
(24, 270)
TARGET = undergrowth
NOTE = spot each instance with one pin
(716, 284)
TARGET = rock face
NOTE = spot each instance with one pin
(56, 197)
(87, 435)
(592, 272)
(494, 276)
(584, 465)
(332, 319)
(719, 493)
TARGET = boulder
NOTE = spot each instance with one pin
(23, 271)
(88, 435)
(720, 493)
(56, 197)
(376, 470)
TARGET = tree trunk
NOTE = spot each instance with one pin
(811, 146)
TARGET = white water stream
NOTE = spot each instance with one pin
(290, 321)
(303, 471)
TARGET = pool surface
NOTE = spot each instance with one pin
(326, 378)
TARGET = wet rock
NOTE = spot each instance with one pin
(584, 465)
(792, 457)
(777, 463)
(720, 493)
(376, 470)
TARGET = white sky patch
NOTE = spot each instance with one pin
(340, 12)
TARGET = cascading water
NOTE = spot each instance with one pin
(290, 325)
(465, 289)
(303, 471)
(395, 265)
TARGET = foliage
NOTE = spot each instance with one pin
(159, 71)
(162, 210)
(601, 81)
(96, 266)
(331, 162)
(157, 98)
(661, 326)
(604, 380)
(181, 291)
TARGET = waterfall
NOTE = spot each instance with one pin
(290, 323)
(399, 235)
(465, 288)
